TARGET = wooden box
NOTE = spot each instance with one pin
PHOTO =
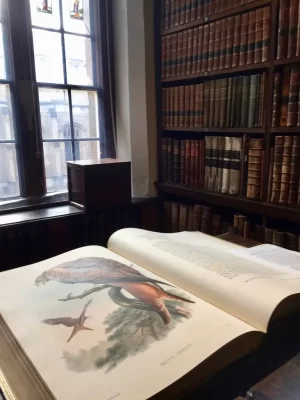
(94, 185)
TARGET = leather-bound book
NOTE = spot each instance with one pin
(197, 217)
(298, 113)
(277, 168)
(270, 178)
(187, 169)
(164, 107)
(188, 7)
(254, 89)
(206, 220)
(244, 39)
(266, 33)
(190, 219)
(229, 42)
(206, 103)
(187, 106)
(291, 240)
(183, 217)
(292, 116)
(200, 48)
(298, 35)
(293, 27)
(194, 10)
(215, 225)
(174, 54)
(258, 35)
(164, 159)
(171, 91)
(182, 162)
(192, 106)
(197, 163)
(283, 28)
(214, 163)
(222, 62)
(192, 166)
(294, 175)
(245, 101)
(176, 107)
(268, 236)
(221, 151)
(286, 169)
(248, 230)
(278, 238)
(260, 106)
(177, 13)
(251, 37)
(235, 166)
(167, 14)
(179, 54)
(176, 161)
(211, 7)
(216, 55)
(189, 52)
(163, 56)
(208, 161)
(168, 55)
(216, 117)
(181, 107)
(172, 13)
(200, 9)
(211, 45)
(236, 40)
(276, 100)
(195, 51)
(218, 6)
(234, 103)
(236, 223)
(184, 52)
(226, 165)
(238, 105)
(205, 8)
(175, 217)
(298, 202)
(197, 105)
(201, 105)
(241, 225)
(205, 48)
(212, 86)
(168, 105)
(170, 160)
(223, 102)
(182, 12)
(285, 95)
(254, 168)
(229, 102)
(259, 233)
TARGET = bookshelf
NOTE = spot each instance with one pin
(265, 133)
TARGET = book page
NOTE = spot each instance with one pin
(210, 269)
(93, 322)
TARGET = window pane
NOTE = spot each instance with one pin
(79, 60)
(85, 114)
(9, 181)
(55, 117)
(56, 154)
(2, 59)
(87, 150)
(48, 56)
(6, 124)
(45, 13)
(76, 16)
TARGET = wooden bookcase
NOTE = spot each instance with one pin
(238, 202)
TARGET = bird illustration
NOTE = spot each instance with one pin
(111, 273)
(76, 323)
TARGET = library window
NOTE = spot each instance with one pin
(56, 59)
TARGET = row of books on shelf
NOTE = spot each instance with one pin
(288, 29)
(226, 103)
(286, 99)
(230, 42)
(177, 12)
(179, 217)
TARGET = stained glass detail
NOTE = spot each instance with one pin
(76, 9)
(44, 6)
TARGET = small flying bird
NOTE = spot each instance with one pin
(76, 323)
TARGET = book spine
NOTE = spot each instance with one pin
(176, 161)
(170, 161)
(235, 166)
(211, 42)
(163, 56)
(164, 159)
(211, 7)
(216, 121)
(197, 217)
(179, 54)
(238, 106)
(266, 33)
(190, 221)
(298, 35)
(259, 234)
(261, 91)
(171, 91)
(208, 161)
(223, 102)
(181, 106)
(221, 146)
(244, 39)
(197, 105)
(176, 107)
(167, 14)
(211, 103)
(252, 100)
(286, 169)
(276, 100)
(200, 49)
(202, 163)
(245, 101)
(278, 238)
(183, 216)
(167, 222)
(184, 52)
(205, 8)
(270, 181)
(216, 55)
(168, 55)
(200, 9)
(293, 27)
(192, 166)
(186, 106)
(229, 42)
(188, 7)
(283, 28)
(187, 162)
(229, 102)
(277, 167)
(197, 163)
(233, 102)
(175, 217)
(194, 51)
(259, 16)
(194, 10)
(172, 13)
(201, 105)
(182, 162)
(214, 163)
(206, 104)
(251, 38)
(206, 220)
(177, 13)
(236, 40)
(167, 95)
(223, 43)
(254, 168)
(189, 52)
(205, 48)
(291, 241)
(226, 165)
(294, 175)
(182, 12)
(292, 115)
(215, 225)
(192, 106)
(268, 236)
(285, 95)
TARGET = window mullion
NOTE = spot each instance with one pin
(25, 93)
(71, 122)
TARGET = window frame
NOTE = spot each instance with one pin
(25, 97)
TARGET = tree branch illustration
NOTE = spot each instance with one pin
(85, 293)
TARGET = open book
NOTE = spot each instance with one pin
(152, 315)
